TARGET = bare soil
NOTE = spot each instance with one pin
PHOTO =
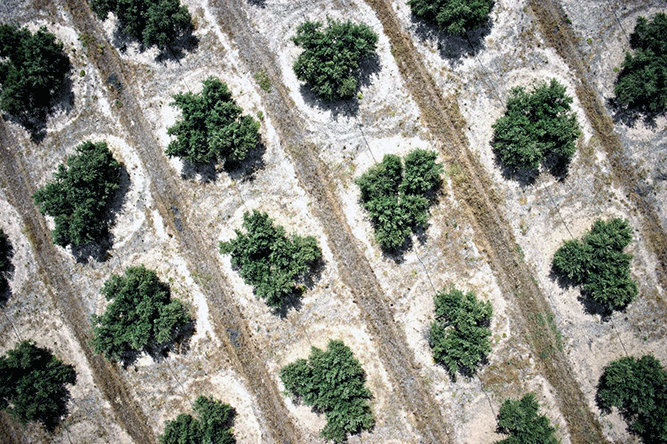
(487, 233)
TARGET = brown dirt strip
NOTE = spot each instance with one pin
(199, 251)
(106, 375)
(411, 391)
(493, 233)
(560, 35)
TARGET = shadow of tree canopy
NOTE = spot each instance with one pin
(369, 67)
(452, 47)
(99, 250)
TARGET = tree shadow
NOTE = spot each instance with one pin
(240, 171)
(36, 120)
(306, 282)
(368, 67)
(179, 344)
(259, 3)
(99, 250)
(187, 42)
(630, 116)
(591, 306)
(525, 176)
(452, 47)
(557, 165)
(244, 170)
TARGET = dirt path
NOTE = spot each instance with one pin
(397, 358)
(106, 375)
(198, 250)
(493, 232)
(560, 35)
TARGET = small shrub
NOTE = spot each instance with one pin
(153, 22)
(80, 196)
(642, 81)
(638, 388)
(212, 127)
(453, 16)
(598, 263)
(213, 424)
(263, 80)
(32, 385)
(460, 335)
(537, 125)
(332, 382)
(33, 67)
(520, 420)
(142, 316)
(6, 253)
(270, 261)
(331, 58)
(397, 200)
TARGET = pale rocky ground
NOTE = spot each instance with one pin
(386, 121)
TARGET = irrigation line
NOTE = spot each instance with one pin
(488, 398)
(178, 381)
(618, 333)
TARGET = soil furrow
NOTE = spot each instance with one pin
(353, 267)
(105, 374)
(560, 35)
(493, 233)
(198, 251)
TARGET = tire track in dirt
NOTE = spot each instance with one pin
(105, 374)
(353, 268)
(197, 250)
(493, 233)
(559, 34)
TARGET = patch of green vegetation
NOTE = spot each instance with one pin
(638, 389)
(212, 127)
(263, 80)
(32, 385)
(212, 425)
(520, 420)
(333, 382)
(453, 16)
(460, 335)
(270, 261)
(33, 67)
(598, 264)
(537, 126)
(397, 200)
(152, 22)
(80, 196)
(642, 81)
(331, 57)
(142, 316)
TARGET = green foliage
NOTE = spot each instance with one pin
(642, 81)
(32, 69)
(153, 22)
(536, 125)
(520, 420)
(142, 315)
(460, 334)
(453, 16)
(398, 201)
(333, 382)
(32, 384)
(6, 253)
(270, 261)
(213, 425)
(598, 263)
(638, 388)
(80, 196)
(212, 127)
(330, 61)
